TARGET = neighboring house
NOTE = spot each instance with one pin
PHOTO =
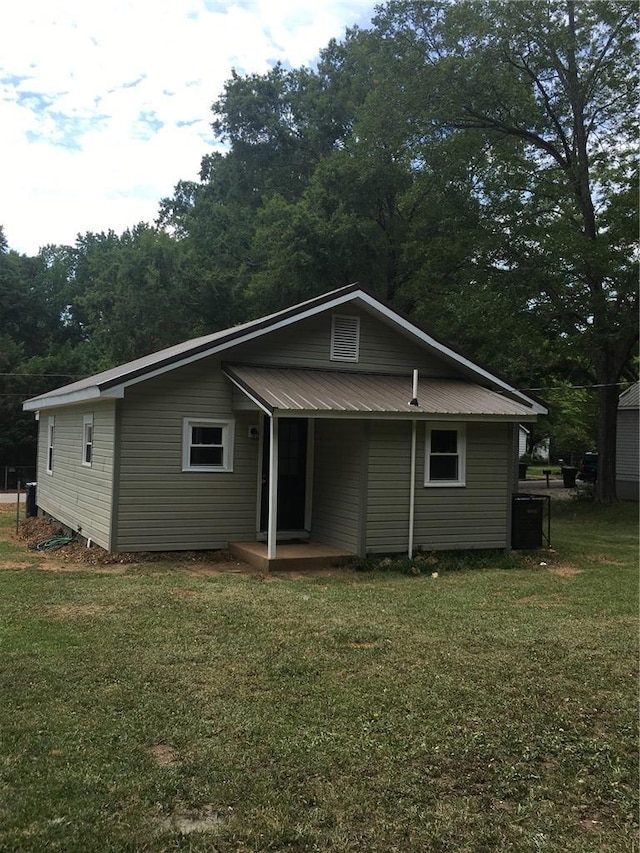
(628, 438)
(182, 449)
(540, 451)
(523, 441)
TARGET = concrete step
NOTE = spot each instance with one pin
(290, 555)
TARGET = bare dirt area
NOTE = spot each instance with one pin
(76, 556)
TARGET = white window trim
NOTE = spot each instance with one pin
(87, 422)
(228, 431)
(460, 429)
(51, 423)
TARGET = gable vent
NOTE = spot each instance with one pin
(345, 338)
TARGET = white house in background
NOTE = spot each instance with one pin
(540, 451)
(627, 443)
(523, 440)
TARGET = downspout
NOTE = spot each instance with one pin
(412, 487)
(273, 489)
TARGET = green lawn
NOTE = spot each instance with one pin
(483, 710)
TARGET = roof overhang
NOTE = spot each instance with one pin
(306, 392)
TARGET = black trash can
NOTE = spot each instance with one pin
(569, 476)
(527, 513)
(31, 508)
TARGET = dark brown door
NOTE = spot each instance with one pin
(292, 473)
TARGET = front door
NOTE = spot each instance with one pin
(292, 473)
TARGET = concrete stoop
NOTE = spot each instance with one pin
(290, 555)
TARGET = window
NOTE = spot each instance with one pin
(207, 445)
(50, 434)
(345, 338)
(445, 456)
(87, 440)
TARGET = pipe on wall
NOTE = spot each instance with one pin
(412, 485)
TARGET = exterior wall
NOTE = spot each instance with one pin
(160, 507)
(389, 485)
(74, 494)
(308, 343)
(473, 516)
(478, 514)
(627, 455)
(337, 482)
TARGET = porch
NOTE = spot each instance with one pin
(290, 555)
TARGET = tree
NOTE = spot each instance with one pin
(550, 87)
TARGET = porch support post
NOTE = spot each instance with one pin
(273, 489)
(412, 487)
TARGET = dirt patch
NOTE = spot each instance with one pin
(164, 755)
(541, 601)
(64, 610)
(206, 818)
(591, 824)
(565, 570)
(75, 555)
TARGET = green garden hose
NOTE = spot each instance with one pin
(53, 543)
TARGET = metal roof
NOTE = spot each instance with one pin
(630, 399)
(310, 391)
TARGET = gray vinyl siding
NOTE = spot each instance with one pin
(476, 515)
(472, 516)
(336, 483)
(627, 455)
(76, 495)
(308, 344)
(161, 507)
(389, 487)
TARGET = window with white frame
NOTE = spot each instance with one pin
(87, 440)
(207, 445)
(51, 423)
(445, 454)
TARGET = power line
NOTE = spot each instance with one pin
(38, 375)
(577, 387)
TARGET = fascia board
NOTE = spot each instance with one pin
(35, 405)
(429, 417)
(259, 403)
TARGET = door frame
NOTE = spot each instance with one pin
(262, 532)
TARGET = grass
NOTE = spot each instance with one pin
(488, 709)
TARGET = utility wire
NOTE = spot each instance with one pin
(576, 387)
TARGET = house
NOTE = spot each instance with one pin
(523, 441)
(627, 441)
(337, 421)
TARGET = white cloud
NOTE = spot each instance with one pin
(104, 107)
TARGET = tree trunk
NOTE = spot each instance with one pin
(607, 425)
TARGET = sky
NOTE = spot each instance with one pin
(104, 107)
